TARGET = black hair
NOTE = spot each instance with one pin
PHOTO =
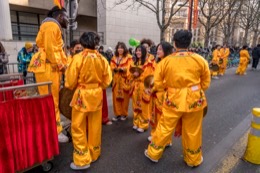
(101, 47)
(143, 58)
(122, 45)
(245, 47)
(74, 43)
(55, 11)
(166, 47)
(130, 50)
(146, 41)
(258, 45)
(182, 38)
(89, 40)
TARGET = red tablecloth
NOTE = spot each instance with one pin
(9, 94)
(28, 133)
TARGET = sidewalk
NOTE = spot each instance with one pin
(233, 162)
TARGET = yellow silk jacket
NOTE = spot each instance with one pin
(184, 76)
(224, 52)
(89, 73)
(50, 43)
(244, 56)
(216, 55)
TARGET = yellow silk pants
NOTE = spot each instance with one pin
(146, 113)
(120, 106)
(86, 137)
(223, 67)
(191, 135)
(242, 67)
(51, 74)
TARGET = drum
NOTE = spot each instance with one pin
(221, 61)
(149, 82)
(205, 111)
(65, 97)
(136, 69)
(214, 67)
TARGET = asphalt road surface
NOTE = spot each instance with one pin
(230, 100)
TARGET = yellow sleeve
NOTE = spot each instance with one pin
(107, 74)
(227, 53)
(113, 64)
(159, 82)
(205, 77)
(53, 44)
(215, 57)
(72, 73)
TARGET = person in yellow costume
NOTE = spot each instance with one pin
(137, 90)
(50, 60)
(216, 56)
(88, 73)
(243, 61)
(224, 51)
(163, 50)
(185, 76)
(149, 68)
(75, 48)
(120, 64)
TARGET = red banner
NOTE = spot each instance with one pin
(195, 14)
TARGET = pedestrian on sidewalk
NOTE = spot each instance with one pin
(89, 73)
(3, 60)
(185, 76)
(255, 56)
(243, 61)
(24, 57)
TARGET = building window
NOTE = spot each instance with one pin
(25, 25)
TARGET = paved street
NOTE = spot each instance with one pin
(230, 101)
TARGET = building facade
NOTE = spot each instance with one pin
(121, 22)
(20, 21)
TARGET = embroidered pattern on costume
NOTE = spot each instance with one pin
(81, 153)
(170, 103)
(156, 146)
(197, 103)
(37, 62)
(79, 101)
(96, 148)
(194, 152)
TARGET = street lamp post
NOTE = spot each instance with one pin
(190, 9)
(190, 17)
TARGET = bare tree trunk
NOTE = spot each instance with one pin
(206, 41)
(245, 36)
(163, 21)
(255, 38)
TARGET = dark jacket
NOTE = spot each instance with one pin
(3, 61)
(256, 53)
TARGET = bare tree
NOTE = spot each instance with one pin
(229, 23)
(256, 25)
(212, 14)
(248, 14)
(164, 16)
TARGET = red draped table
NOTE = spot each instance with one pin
(28, 133)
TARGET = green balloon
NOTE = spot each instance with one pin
(137, 42)
(132, 41)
